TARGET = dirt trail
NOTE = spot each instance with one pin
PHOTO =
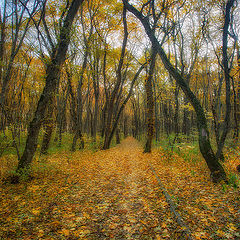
(109, 194)
(126, 202)
(113, 194)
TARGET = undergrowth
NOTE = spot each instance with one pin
(187, 148)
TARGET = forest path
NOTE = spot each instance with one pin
(123, 201)
(113, 194)
(109, 194)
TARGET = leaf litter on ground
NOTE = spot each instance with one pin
(113, 194)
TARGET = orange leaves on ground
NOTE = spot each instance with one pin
(112, 194)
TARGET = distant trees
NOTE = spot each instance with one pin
(15, 57)
(52, 74)
(217, 171)
(93, 78)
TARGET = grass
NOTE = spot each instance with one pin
(189, 151)
(7, 143)
(185, 147)
(9, 160)
(180, 146)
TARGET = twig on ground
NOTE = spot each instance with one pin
(172, 206)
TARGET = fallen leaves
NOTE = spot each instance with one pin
(113, 195)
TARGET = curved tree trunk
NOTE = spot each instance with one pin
(116, 120)
(217, 172)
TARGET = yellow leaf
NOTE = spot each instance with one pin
(220, 233)
(158, 237)
(164, 225)
(212, 219)
(65, 232)
(81, 232)
(127, 228)
(86, 215)
(113, 226)
(40, 233)
(35, 211)
(231, 227)
(34, 188)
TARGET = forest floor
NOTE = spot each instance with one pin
(113, 194)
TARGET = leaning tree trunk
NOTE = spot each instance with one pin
(79, 107)
(49, 126)
(217, 172)
(47, 137)
(52, 75)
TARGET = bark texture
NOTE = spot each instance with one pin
(150, 104)
(217, 172)
(52, 75)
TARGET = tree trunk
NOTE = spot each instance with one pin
(96, 104)
(186, 120)
(118, 114)
(150, 103)
(237, 99)
(117, 136)
(48, 129)
(111, 104)
(75, 118)
(176, 113)
(226, 69)
(52, 75)
(217, 172)
(156, 107)
(125, 125)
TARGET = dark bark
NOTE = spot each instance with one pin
(112, 98)
(150, 103)
(226, 69)
(73, 110)
(235, 114)
(156, 107)
(237, 98)
(135, 120)
(47, 137)
(166, 118)
(176, 113)
(115, 122)
(125, 125)
(2, 37)
(186, 127)
(61, 112)
(186, 121)
(79, 104)
(217, 108)
(117, 136)
(217, 172)
(96, 95)
(52, 75)
(48, 129)
(105, 107)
